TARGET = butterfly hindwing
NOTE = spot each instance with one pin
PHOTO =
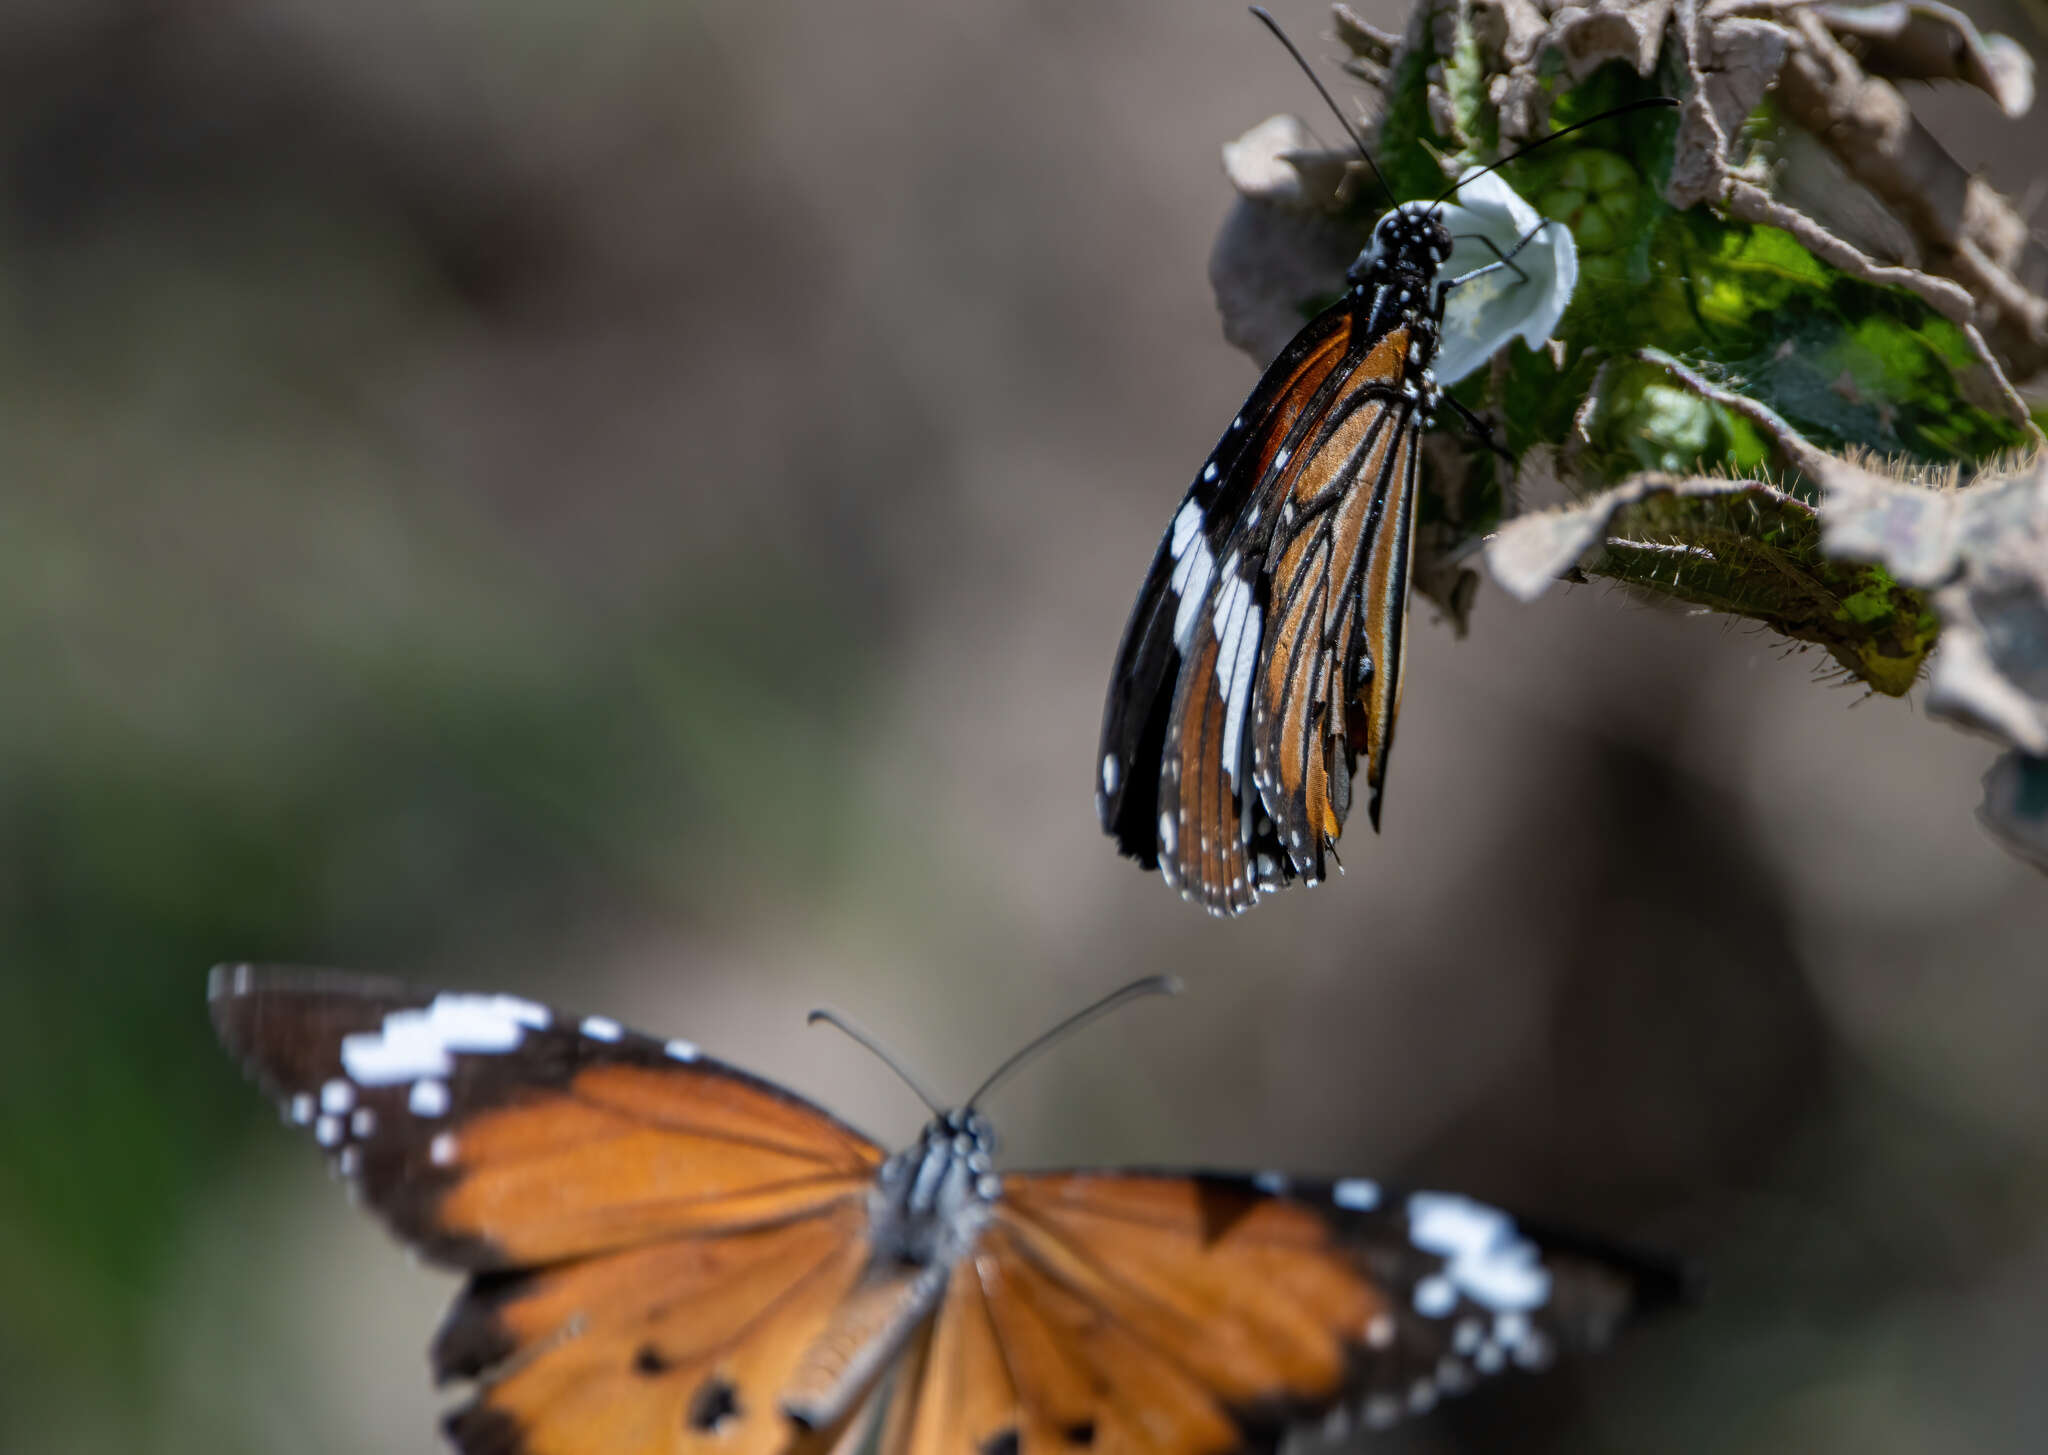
(1331, 670)
(1196, 1314)
(677, 1348)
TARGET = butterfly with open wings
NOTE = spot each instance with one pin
(667, 1256)
(1263, 658)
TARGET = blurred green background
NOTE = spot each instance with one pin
(634, 503)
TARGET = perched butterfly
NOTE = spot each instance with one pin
(669, 1255)
(1263, 658)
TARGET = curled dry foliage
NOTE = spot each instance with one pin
(1798, 327)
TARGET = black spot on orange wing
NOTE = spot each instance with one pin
(715, 1402)
(727, 1318)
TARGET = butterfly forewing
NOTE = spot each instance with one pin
(491, 1132)
(657, 1239)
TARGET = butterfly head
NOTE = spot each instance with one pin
(929, 1199)
(1408, 246)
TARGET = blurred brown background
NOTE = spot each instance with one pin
(634, 503)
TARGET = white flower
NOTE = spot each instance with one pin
(1482, 315)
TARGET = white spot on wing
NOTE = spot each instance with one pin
(1271, 1183)
(416, 1043)
(429, 1098)
(602, 1028)
(1237, 687)
(336, 1097)
(1166, 834)
(1360, 1194)
(682, 1050)
(1185, 526)
(1486, 1258)
(1109, 773)
(1191, 581)
(1435, 1296)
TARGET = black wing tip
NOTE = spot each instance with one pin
(237, 989)
(477, 1429)
(1663, 1281)
(1658, 1279)
(234, 979)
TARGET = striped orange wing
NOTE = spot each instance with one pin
(1265, 649)
(1329, 678)
(655, 1239)
(1189, 1314)
(1174, 782)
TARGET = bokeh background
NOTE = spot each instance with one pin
(633, 503)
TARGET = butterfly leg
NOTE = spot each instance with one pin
(1505, 259)
(1480, 430)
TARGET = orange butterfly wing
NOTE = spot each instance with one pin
(1265, 649)
(1190, 1314)
(669, 1257)
(656, 1239)
(1174, 785)
(1340, 594)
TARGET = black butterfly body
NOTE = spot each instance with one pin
(667, 1256)
(1264, 654)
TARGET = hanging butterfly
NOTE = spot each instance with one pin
(666, 1254)
(1263, 658)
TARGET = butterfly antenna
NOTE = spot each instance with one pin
(1356, 136)
(861, 1037)
(1645, 104)
(1116, 999)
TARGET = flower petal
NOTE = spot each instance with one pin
(1481, 315)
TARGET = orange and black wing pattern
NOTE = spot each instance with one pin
(655, 1239)
(1264, 652)
(1133, 1313)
